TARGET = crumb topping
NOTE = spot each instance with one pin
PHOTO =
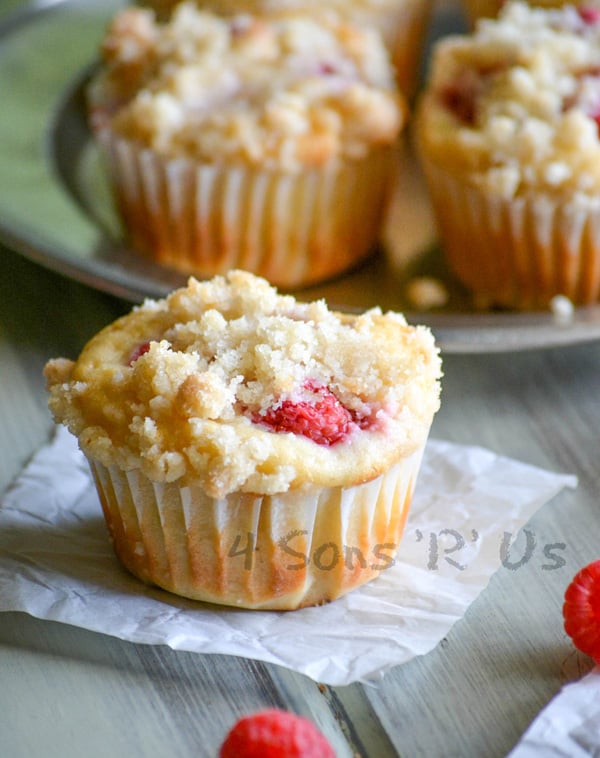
(427, 292)
(231, 385)
(287, 92)
(230, 7)
(516, 104)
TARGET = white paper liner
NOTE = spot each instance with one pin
(404, 31)
(569, 726)
(293, 229)
(56, 563)
(253, 551)
(518, 252)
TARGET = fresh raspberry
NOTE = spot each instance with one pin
(321, 417)
(139, 351)
(589, 15)
(274, 733)
(581, 610)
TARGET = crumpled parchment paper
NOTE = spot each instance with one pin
(57, 563)
(569, 726)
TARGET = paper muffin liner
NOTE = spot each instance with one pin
(518, 252)
(294, 229)
(404, 30)
(279, 552)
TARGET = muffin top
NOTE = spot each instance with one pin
(230, 385)
(515, 106)
(288, 92)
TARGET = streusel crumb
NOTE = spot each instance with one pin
(287, 92)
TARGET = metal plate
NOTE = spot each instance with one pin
(55, 206)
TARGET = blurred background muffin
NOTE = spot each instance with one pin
(248, 142)
(507, 133)
(402, 24)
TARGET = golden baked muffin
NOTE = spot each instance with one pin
(250, 449)
(403, 24)
(507, 131)
(240, 142)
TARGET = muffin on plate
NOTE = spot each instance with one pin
(249, 449)
(241, 142)
(403, 24)
(507, 132)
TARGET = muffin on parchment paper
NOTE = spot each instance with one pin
(507, 133)
(249, 449)
(403, 24)
(241, 142)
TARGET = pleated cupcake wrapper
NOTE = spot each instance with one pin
(476, 9)
(517, 252)
(292, 228)
(273, 552)
(404, 30)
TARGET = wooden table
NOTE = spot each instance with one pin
(66, 692)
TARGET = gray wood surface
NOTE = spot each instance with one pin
(66, 692)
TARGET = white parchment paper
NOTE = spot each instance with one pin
(569, 726)
(56, 563)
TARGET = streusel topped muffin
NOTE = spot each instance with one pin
(227, 410)
(402, 23)
(289, 92)
(510, 117)
(194, 386)
(516, 104)
(246, 142)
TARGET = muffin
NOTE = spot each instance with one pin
(250, 449)
(243, 143)
(507, 133)
(403, 24)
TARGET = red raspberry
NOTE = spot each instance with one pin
(139, 351)
(274, 733)
(581, 610)
(321, 418)
(589, 15)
